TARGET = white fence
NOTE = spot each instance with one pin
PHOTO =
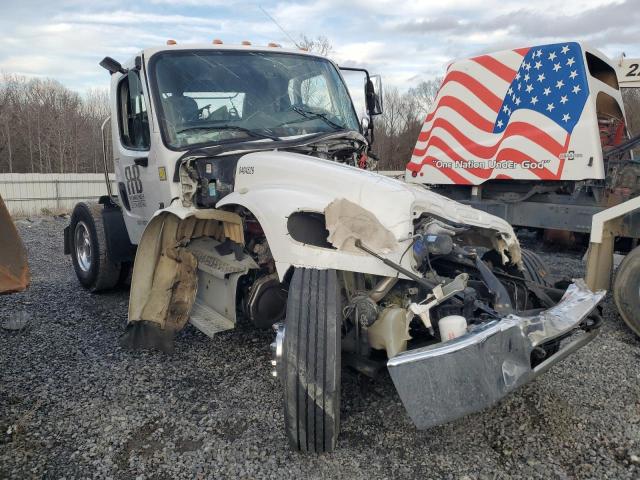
(37, 193)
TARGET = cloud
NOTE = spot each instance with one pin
(405, 41)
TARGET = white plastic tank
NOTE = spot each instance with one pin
(452, 326)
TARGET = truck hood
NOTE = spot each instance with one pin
(393, 202)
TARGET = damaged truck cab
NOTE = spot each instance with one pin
(242, 195)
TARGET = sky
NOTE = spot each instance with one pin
(404, 41)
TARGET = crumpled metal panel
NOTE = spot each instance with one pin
(14, 269)
(443, 382)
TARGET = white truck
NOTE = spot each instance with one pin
(240, 198)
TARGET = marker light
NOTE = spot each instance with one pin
(217, 41)
(246, 42)
(272, 44)
(171, 42)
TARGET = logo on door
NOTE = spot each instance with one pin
(132, 176)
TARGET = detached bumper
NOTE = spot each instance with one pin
(446, 381)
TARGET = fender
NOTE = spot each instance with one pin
(272, 205)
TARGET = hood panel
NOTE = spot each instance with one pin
(394, 202)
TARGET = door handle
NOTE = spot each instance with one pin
(142, 161)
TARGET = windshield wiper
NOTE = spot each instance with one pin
(250, 133)
(311, 115)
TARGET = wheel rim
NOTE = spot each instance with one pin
(83, 246)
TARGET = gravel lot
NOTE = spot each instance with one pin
(78, 406)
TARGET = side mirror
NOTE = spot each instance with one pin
(373, 95)
(113, 66)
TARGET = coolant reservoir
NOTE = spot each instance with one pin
(452, 326)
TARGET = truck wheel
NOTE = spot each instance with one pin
(626, 290)
(94, 269)
(311, 360)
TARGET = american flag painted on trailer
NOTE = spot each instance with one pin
(496, 115)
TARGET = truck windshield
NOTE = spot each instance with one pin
(216, 96)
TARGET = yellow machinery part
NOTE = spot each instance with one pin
(14, 269)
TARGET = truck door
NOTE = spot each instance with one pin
(131, 142)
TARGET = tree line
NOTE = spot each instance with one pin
(47, 128)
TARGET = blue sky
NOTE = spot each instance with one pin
(405, 41)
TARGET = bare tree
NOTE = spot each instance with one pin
(425, 94)
(319, 44)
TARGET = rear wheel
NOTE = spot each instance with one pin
(626, 290)
(94, 269)
(311, 360)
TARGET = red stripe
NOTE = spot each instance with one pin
(464, 110)
(483, 93)
(484, 151)
(497, 68)
(522, 51)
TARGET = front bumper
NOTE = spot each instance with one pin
(443, 382)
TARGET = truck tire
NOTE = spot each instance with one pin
(535, 269)
(94, 269)
(626, 290)
(311, 354)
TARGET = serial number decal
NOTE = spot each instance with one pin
(246, 170)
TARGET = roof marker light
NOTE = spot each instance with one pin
(171, 42)
(217, 41)
(273, 44)
(246, 42)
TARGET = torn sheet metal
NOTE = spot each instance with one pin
(446, 381)
(347, 222)
(14, 269)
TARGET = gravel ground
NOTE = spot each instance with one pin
(77, 406)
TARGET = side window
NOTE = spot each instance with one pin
(132, 109)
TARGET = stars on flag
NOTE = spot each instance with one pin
(554, 91)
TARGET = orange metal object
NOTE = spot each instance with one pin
(14, 269)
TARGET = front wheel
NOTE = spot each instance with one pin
(626, 290)
(311, 360)
(89, 255)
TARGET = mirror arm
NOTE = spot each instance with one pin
(369, 94)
